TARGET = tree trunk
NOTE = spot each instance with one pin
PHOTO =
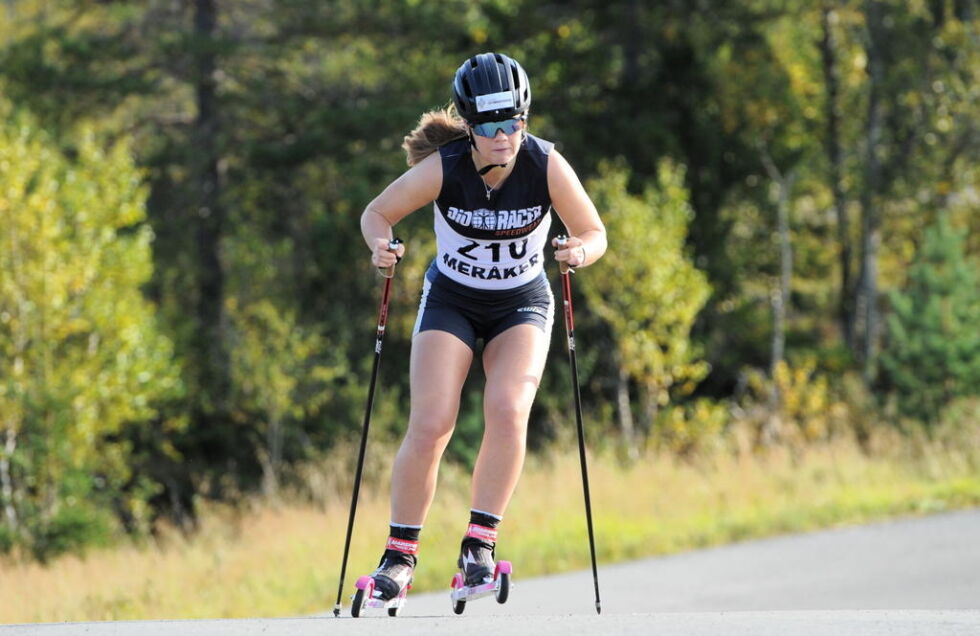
(214, 367)
(845, 312)
(270, 458)
(21, 340)
(780, 296)
(6, 483)
(633, 44)
(867, 293)
(651, 408)
(625, 414)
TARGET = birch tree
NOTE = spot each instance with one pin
(82, 358)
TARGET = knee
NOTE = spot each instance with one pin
(429, 432)
(507, 418)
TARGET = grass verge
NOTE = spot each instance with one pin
(282, 560)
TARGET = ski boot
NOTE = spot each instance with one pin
(388, 586)
(478, 575)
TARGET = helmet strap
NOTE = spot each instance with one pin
(490, 166)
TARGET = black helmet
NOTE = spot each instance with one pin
(490, 87)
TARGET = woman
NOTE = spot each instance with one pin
(493, 185)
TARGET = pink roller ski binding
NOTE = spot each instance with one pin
(387, 588)
(478, 575)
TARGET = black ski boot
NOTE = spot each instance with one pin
(476, 555)
(396, 568)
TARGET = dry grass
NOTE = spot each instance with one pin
(284, 560)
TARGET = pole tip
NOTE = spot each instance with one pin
(336, 610)
(598, 608)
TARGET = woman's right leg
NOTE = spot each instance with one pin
(440, 362)
(439, 365)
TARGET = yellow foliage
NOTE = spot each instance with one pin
(692, 428)
(796, 405)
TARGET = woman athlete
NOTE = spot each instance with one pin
(493, 185)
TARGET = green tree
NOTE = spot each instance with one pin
(85, 358)
(917, 139)
(646, 287)
(933, 351)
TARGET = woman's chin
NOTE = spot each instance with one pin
(502, 156)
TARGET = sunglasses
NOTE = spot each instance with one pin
(490, 128)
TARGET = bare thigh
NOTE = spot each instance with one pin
(439, 366)
(513, 363)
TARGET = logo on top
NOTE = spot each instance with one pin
(494, 101)
(484, 220)
(523, 219)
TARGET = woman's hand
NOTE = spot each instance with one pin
(570, 252)
(382, 254)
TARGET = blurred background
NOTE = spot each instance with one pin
(187, 307)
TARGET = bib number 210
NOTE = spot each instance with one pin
(516, 249)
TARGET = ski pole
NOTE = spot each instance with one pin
(566, 294)
(388, 273)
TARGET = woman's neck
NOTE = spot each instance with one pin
(492, 173)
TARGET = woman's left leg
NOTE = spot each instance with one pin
(513, 363)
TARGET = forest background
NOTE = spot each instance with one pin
(187, 308)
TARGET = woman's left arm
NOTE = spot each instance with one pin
(587, 240)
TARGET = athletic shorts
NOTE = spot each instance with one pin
(481, 314)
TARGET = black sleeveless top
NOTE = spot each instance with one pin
(495, 239)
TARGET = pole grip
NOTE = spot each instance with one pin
(563, 266)
(389, 272)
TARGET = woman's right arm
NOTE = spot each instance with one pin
(418, 186)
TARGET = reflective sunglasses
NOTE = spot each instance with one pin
(490, 128)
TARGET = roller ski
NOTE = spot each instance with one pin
(478, 575)
(387, 588)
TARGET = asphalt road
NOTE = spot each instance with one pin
(914, 576)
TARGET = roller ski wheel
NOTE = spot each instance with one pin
(367, 597)
(499, 587)
(459, 604)
(503, 585)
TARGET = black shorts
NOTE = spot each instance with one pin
(481, 314)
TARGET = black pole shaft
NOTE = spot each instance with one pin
(382, 322)
(566, 292)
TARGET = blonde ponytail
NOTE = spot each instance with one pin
(435, 128)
